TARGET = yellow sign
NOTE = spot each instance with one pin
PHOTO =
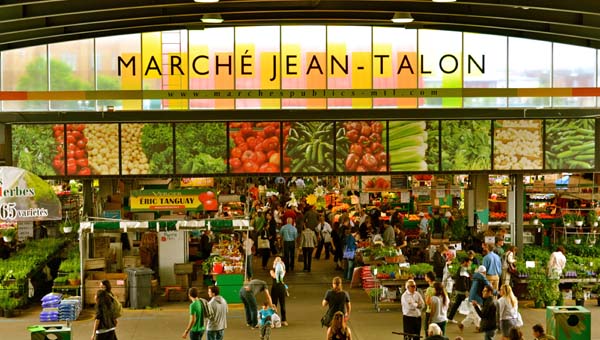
(145, 200)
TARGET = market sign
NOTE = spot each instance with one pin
(153, 200)
(26, 197)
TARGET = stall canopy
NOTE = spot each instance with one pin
(26, 197)
(217, 225)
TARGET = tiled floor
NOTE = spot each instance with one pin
(169, 319)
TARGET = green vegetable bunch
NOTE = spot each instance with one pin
(466, 145)
(570, 143)
(157, 143)
(407, 145)
(310, 146)
(201, 148)
(34, 148)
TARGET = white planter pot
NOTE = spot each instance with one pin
(7, 238)
(577, 241)
(67, 230)
(536, 221)
(595, 224)
(579, 223)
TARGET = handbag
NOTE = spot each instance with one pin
(512, 268)
(519, 320)
(263, 243)
(326, 319)
(349, 254)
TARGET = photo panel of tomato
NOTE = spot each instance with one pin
(376, 183)
(570, 144)
(201, 148)
(466, 145)
(309, 147)
(518, 144)
(147, 149)
(254, 147)
(413, 145)
(361, 146)
(39, 148)
(92, 149)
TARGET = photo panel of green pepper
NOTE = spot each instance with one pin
(147, 148)
(466, 145)
(360, 146)
(200, 148)
(254, 147)
(39, 148)
(570, 144)
(413, 145)
(309, 147)
(518, 144)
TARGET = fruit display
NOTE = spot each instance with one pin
(309, 146)
(360, 146)
(518, 144)
(570, 143)
(256, 147)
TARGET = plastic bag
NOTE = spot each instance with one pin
(519, 320)
(464, 307)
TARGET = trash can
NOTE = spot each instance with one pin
(568, 322)
(47, 332)
(139, 281)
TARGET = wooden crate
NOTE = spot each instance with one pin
(92, 283)
(97, 263)
(132, 261)
(183, 268)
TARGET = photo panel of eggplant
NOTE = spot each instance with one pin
(413, 145)
(200, 148)
(361, 146)
(466, 145)
(309, 147)
(254, 147)
(570, 144)
(518, 144)
(147, 148)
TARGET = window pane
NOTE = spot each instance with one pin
(25, 69)
(529, 66)
(485, 63)
(573, 66)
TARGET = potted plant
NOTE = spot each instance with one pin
(579, 219)
(9, 234)
(592, 218)
(66, 226)
(535, 220)
(578, 295)
(74, 279)
(569, 220)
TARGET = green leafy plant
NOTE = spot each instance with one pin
(9, 232)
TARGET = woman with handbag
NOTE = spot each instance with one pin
(509, 265)
(279, 288)
(271, 225)
(349, 251)
(264, 246)
(508, 310)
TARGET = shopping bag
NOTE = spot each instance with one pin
(519, 320)
(263, 243)
(464, 307)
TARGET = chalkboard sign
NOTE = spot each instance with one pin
(399, 182)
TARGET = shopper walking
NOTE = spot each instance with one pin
(439, 303)
(412, 304)
(487, 312)
(289, 234)
(508, 264)
(493, 266)
(217, 317)
(105, 323)
(264, 246)
(336, 299)
(308, 242)
(248, 294)
(279, 288)
(324, 236)
(429, 292)
(248, 246)
(338, 329)
(508, 310)
(195, 326)
(271, 225)
(350, 251)
(462, 284)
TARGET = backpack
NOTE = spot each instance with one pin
(116, 307)
(206, 311)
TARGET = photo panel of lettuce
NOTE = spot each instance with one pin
(39, 148)
(466, 145)
(413, 145)
(361, 146)
(309, 147)
(570, 144)
(146, 149)
(200, 148)
(518, 144)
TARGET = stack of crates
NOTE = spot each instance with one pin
(368, 280)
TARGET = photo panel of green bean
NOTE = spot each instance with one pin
(309, 147)
(39, 148)
(570, 144)
(413, 145)
(466, 145)
(200, 148)
(254, 147)
(518, 144)
(147, 148)
(361, 146)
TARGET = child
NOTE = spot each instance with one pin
(265, 321)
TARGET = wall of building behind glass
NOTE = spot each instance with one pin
(298, 57)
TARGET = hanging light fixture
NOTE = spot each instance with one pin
(206, 1)
(402, 18)
(444, 0)
(212, 18)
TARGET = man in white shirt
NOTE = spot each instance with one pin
(324, 231)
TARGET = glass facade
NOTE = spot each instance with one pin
(126, 69)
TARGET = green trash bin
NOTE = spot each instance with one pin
(50, 332)
(568, 322)
(230, 285)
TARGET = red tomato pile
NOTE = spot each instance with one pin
(77, 157)
(209, 201)
(256, 147)
(367, 152)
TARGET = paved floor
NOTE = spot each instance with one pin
(169, 319)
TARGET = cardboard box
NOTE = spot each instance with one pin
(132, 261)
(183, 268)
(97, 263)
(183, 280)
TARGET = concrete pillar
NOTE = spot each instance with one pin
(515, 209)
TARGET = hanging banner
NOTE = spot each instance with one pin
(150, 200)
(26, 197)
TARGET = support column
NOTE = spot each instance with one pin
(515, 209)
(87, 197)
(476, 198)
